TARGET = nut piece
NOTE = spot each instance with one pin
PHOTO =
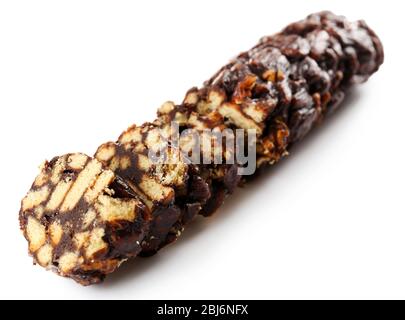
(84, 232)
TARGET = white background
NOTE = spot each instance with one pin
(328, 222)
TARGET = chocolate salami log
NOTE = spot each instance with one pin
(84, 216)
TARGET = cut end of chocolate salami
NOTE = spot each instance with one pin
(82, 220)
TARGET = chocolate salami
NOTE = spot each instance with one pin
(84, 216)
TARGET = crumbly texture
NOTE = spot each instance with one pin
(84, 216)
(80, 220)
(156, 183)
